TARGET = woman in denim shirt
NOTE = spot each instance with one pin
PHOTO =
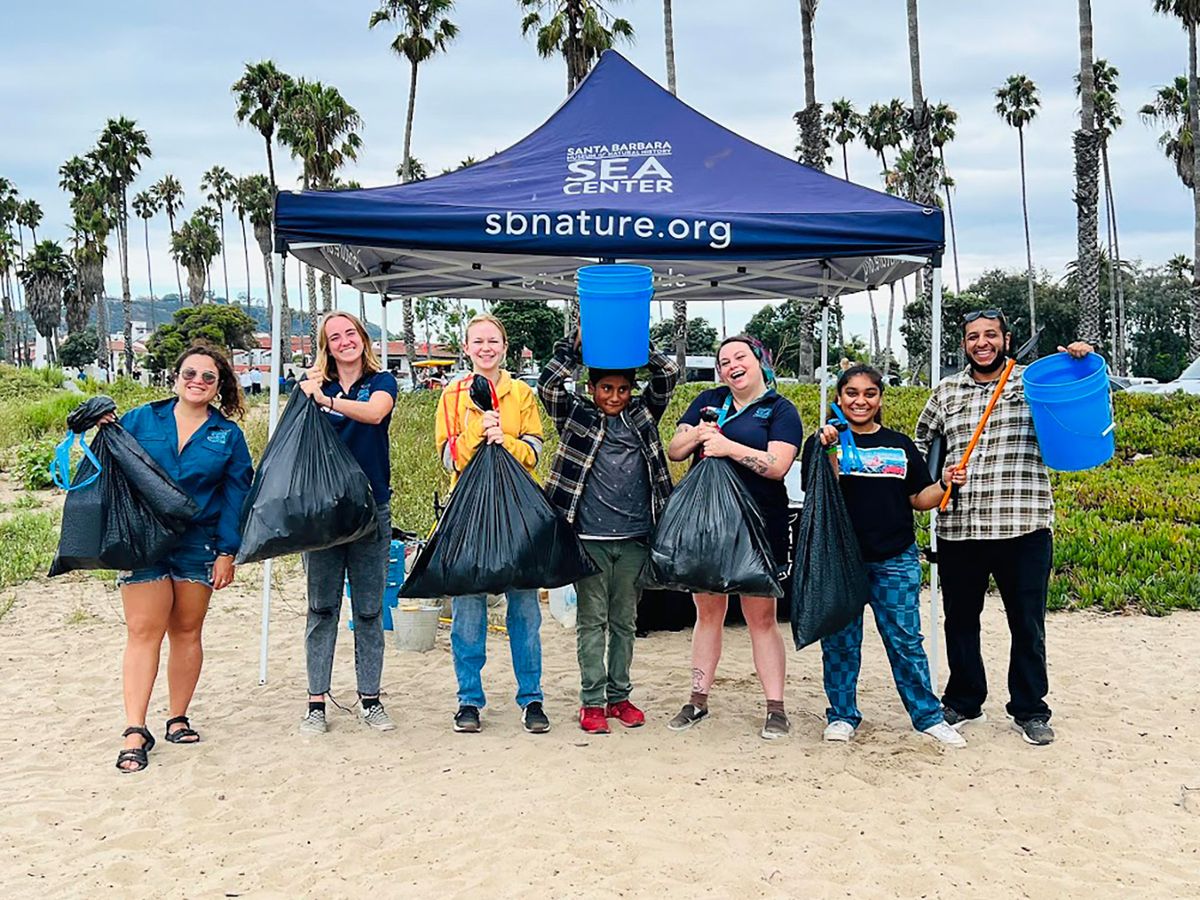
(206, 454)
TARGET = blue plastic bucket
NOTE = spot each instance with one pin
(1072, 410)
(614, 312)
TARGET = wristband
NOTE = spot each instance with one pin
(942, 484)
(331, 399)
(832, 449)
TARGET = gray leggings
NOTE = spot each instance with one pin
(365, 562)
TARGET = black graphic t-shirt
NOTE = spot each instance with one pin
(877, 495)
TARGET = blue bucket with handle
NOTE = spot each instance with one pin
(614, 313)
(1072, 410)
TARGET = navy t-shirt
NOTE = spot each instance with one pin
(367, 443)
(769, 418)
(877, 496)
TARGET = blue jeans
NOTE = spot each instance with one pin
(896, 602)
(468, 641)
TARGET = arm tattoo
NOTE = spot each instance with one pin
(754, 464)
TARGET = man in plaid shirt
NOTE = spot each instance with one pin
(998, 526)
(609, 478)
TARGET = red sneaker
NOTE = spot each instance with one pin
(592, 720)
(626, 713)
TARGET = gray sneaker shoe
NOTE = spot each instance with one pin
(687, 717)
(957, 720)
(1035, 731)
(377, 718)
(314, 722)
(776, 726)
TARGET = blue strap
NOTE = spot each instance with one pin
(723, 414)
(851, 459)
(60, 466)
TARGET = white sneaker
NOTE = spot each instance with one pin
(839, 730)
(944, 734)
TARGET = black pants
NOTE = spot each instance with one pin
(1021, 567)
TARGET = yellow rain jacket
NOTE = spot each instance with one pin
(459, 426)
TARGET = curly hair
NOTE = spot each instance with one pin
(229, 392)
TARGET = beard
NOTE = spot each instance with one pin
(999, 360)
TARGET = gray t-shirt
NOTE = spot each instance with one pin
(616, 495)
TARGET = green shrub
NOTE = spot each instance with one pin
(29, 540)
(23, 383)
(33, 465)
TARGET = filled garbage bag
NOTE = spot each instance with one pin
(829, 580)
(309, 492)
(712, 537)
(122, 510)
(497, 533)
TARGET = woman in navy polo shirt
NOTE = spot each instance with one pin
(205, 453)
(348, 383)
(761, 432)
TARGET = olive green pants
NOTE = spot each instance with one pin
(606, 615)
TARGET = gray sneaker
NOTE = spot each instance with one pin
(957, 720)
(314, 722)
(1035, 731)
(687, 717)
(377, 718)
(776, 726)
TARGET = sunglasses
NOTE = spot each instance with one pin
(208, 377)
(984, 314)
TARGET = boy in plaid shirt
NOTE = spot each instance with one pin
(609, 478)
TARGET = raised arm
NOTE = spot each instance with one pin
(552, 391)
(664, 374)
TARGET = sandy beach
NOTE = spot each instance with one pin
(256, 810)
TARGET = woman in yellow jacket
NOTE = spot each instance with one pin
(461, 429)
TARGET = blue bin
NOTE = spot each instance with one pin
(614, 312)
(1072, 410)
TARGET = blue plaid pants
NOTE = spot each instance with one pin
(895, 600)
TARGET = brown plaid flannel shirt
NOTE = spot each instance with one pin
(581, 428)
(1007, 493)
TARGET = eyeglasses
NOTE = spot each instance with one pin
(208, 377)
(984, 314)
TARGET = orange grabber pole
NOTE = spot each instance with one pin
(979, 428)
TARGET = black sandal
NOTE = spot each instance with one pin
(137, 755)
(184, 735)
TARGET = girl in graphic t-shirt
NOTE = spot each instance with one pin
(881, 493)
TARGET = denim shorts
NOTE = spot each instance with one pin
(192, 560)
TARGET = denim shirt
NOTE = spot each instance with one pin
(214, 467)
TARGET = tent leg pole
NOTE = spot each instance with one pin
(935, 375)
(272, 416)
(822, 373)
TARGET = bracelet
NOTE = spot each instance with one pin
(832, 449)
(942, 484)
(331, 399)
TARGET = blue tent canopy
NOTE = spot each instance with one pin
(624, 171)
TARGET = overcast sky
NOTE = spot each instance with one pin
(68, 67)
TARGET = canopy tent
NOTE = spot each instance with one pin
(622, 170)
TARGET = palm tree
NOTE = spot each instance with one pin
(842, 125)
(243, 193)
(578, 30)
(942, 122)
(170, 195)
(254, 201)
(416, 170)
(1087, 191)
(423, 32)
(1170, 108)
(119, 152)
(261, 95)
(812, 137)
(196, 244)
(669, 46)
(1017, 103)
(29, 215)
(45, 274)
(883, 127)
(8, 262)
(145, 205)
(218, 182)
(90, 228)
(1188, 13)
(321, 130)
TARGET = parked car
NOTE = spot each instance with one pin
(1188, 382)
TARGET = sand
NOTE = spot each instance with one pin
(257, 810)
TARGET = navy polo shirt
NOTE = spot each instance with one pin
(769, 418)
(368, 444)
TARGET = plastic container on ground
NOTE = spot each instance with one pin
(564, 604)
(1072, 410)
(614, 313)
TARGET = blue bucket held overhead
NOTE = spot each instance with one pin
(1072, 410)
(614, 313)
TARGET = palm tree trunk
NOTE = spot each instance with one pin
(874, 326)
(950, 216)
(246, 254)
(362, 307)
(178, 278)
(845, 161)
(1119, 320)
(269, 272)
(126, 296)
(805, 366)
(326, 293)
(890, 321)
(271, 169)
(224, 254)
(149, 276)
(408, 122)
(10, 340)
(812, 144)
(310, 283)
(669, 41)
(1087, 177)
(410, 339)
(679, 309)
(1028, 245)
(1194, 124)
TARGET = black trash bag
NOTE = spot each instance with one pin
(85, 416)
(309, 492)
(132, 515)
(829, 581)
(498, 533)
(712, 537)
